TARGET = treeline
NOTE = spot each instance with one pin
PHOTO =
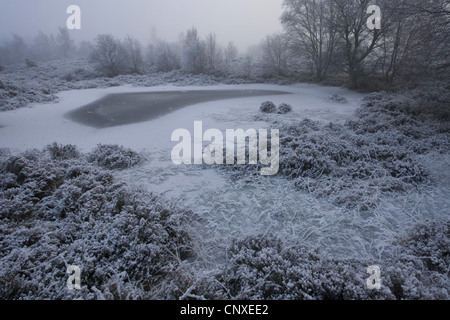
(324, 41)
(43, 47)
(332, 36)
(113, 56)
(192, 54)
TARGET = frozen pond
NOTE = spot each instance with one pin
(127, 108)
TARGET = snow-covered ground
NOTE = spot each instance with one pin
(234, 208)
(39, 125)
(231, 209)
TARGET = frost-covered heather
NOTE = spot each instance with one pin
(349, 195)
(59, 211)
(114, 157)
(265, 267)
(353, 164)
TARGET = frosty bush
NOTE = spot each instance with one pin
(353, 164)
(58, 212)
(30, 63)
(431, 242)
(328, 161)
(419, 121)
(338, 99)
(63, 152)
(284, 108)
(268, 107)
(263, 267)
(114, 157)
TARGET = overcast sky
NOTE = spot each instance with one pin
(245, 22)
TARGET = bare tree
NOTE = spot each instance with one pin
(194, 53)
(19, 48)
(276, 50)
(247, 67)
(14, 50)
(166, 56)
(134, 54)
(65, 45)
(109, 55)
(414, 43)
(44, 47)
(358, 40)
(230, 54)
(432, 20)
(213, 53)
(309, 27)
(84, 49)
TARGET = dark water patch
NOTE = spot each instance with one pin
(128, 108)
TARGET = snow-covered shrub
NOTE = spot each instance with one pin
(337, 99)
(284, 108)
(30, 63)
(418, 121)
(63, 152)
(328, 161)
(114, 157)
(28, 179)
(55, 213)
(352, 164)
(130, 244)
(429, 241)
(68, 77)
(13, 96)
(264, 267)
(420, 270)
(268, 107)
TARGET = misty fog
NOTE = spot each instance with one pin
(243, 22)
